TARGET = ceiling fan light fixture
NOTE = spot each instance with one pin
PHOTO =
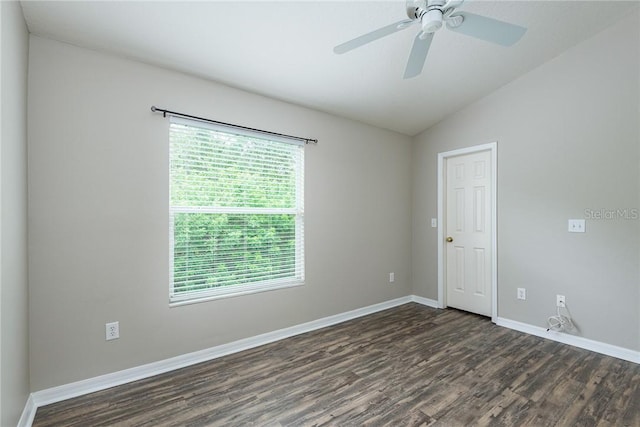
(432, 21)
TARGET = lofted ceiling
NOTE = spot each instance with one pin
(283, 49)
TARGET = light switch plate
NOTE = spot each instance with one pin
(577, 226)
(434, 222)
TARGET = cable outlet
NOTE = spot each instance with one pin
(112, 331)
(522, 293)
(560, 301)
(392, 277)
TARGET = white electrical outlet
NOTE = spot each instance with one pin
(560, 301)
(577, 226)
(392, 277)
(112, 331)
(522, 293)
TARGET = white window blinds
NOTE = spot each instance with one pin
(236, 211)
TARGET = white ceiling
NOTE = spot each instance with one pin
(284, 49)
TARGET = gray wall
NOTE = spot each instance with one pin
(98, 195)
(14, 350)
(568, 140)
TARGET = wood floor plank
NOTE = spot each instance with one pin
(407, 366)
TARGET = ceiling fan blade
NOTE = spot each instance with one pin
(452, 4)
(372, 36)
(418, 55)
(488, 29)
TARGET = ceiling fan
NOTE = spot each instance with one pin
(431, 14)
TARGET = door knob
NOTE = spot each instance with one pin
(449, 239)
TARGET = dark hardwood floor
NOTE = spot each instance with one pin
(407, 366)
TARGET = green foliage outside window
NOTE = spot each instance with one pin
(213, 250)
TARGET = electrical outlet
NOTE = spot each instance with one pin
(576, 226)
(392, 277)
(522, 293)
(112, 331)
(560, 301)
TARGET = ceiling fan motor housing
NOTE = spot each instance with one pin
(429, 13)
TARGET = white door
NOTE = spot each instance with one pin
(468, 233)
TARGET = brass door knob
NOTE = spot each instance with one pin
(449, 239)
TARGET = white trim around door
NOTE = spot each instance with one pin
(493, 148)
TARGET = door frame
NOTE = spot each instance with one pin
(492, 147)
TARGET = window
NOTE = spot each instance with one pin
(236, 211)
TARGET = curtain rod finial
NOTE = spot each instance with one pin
(153, 108)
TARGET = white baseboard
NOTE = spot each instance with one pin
(79, 388)
(425, 301)
(28, 414)
(587, 344)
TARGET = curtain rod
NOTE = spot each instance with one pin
(165, 113)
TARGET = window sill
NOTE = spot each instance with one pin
(246, 291)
